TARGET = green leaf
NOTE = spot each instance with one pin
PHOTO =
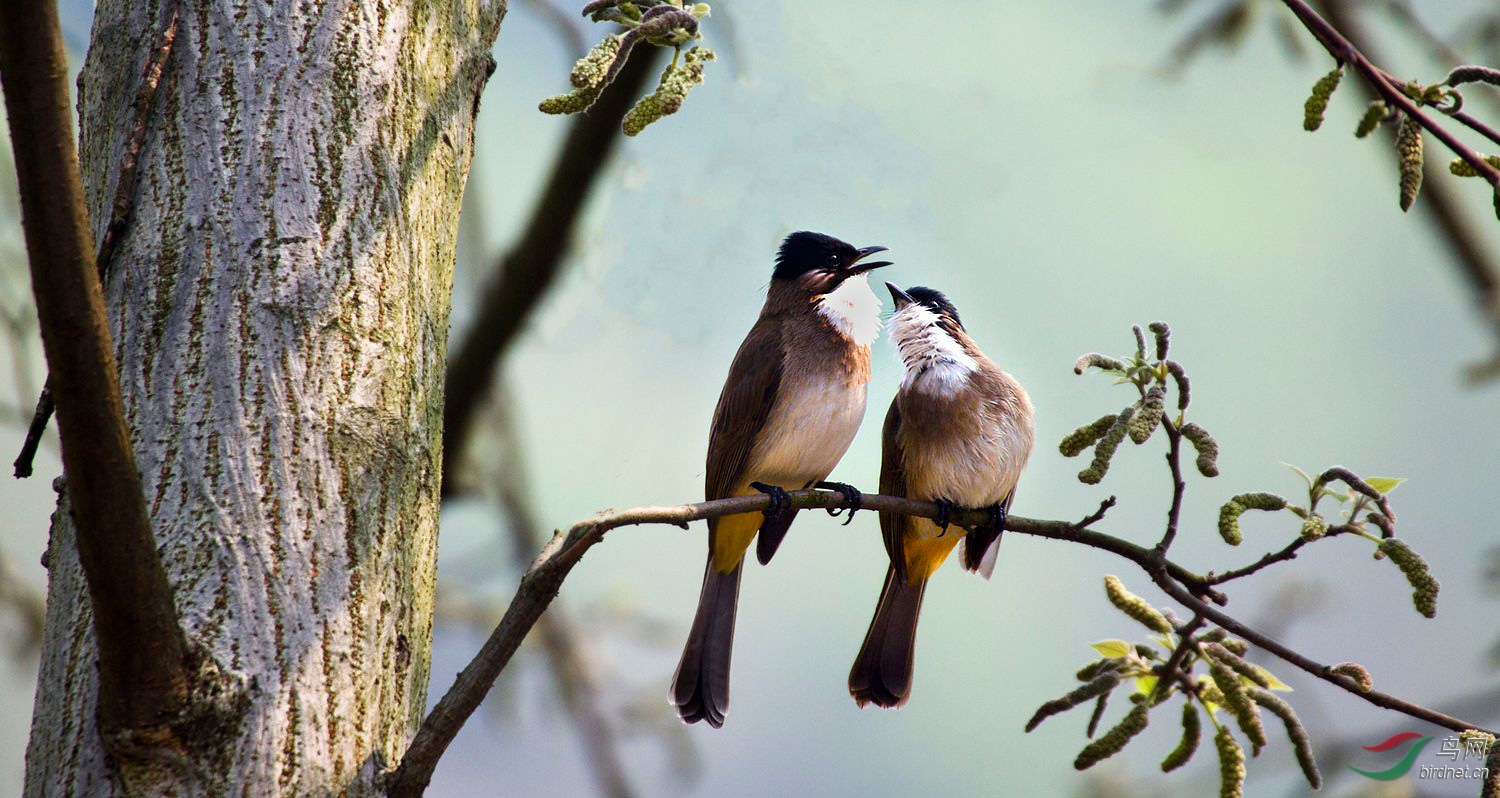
(1111, 648)
(1163, 642)
(1333, 494)
(1145, 683)
(1301, 473)
(1385, 484)
(1276, 684)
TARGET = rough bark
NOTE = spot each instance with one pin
(280, 311)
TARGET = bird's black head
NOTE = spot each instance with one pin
(805, 252)
(931, 298)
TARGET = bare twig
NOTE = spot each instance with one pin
(533, 265)
(1283, 555)
(1174, 462)
(143, 682)
(1267, 643)
(120, 208)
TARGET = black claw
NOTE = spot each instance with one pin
(779, 499)
(945, 511)
(852, 499)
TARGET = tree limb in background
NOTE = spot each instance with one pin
(532, 266)
(143, 677)
(119, 213)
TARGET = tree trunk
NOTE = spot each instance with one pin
(280, 310)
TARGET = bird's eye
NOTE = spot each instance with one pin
(833, 259)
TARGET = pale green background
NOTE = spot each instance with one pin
(1034, 161)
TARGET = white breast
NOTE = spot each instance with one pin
(808, 430)
(853, 310)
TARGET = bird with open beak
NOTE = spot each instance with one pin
(794, 397)
(958, 433)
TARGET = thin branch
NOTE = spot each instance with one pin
(1469, 251)
(120, 208)
(1267, 643)
(1285, 554)
(143, 682)
(541, 582)
(531, 268)
(1342, 50)
(1174, 461)
(1185, 643)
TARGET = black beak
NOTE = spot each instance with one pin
(856, 267)
(901, 298)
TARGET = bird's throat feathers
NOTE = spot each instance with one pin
(934, 360)
(853, 310)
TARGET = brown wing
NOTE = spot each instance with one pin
(749, 392)
(893, 483)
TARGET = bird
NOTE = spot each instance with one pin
(958, 433)
(793, 400)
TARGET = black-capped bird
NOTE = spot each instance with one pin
(958, 433)
(794, 397)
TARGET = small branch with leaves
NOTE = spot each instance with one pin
(659, 23)
(1402, 102)
(1202, 661)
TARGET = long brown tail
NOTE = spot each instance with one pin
(700, 690)
(882, 672)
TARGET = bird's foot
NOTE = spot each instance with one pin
(996, 518)
(780, 501)
(944, 513)
(852, 499)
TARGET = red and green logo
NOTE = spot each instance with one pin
(1400, 768)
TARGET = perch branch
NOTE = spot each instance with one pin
(541, 582)
(143, 683)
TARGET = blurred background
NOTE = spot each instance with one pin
(1061, 171)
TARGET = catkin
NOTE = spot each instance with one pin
(1098, 361)
(1238, 702)
(1104, 450)
(1100, 685)
(1230, 512)
(1231, 765)
(1295, 732)
(1367, 123)
(1149, 418)
(1135, 606)
(1423, 586)
(1192, 732)
(1113, 740)
(1313, 528)
(1085, 436)
(1409, 155)
(1357, 672)
(1317, 103)
(1208, 449)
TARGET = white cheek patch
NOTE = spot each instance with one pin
(853, 310)
(934, 362)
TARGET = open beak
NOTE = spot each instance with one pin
(857, 267)
(901, 298)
